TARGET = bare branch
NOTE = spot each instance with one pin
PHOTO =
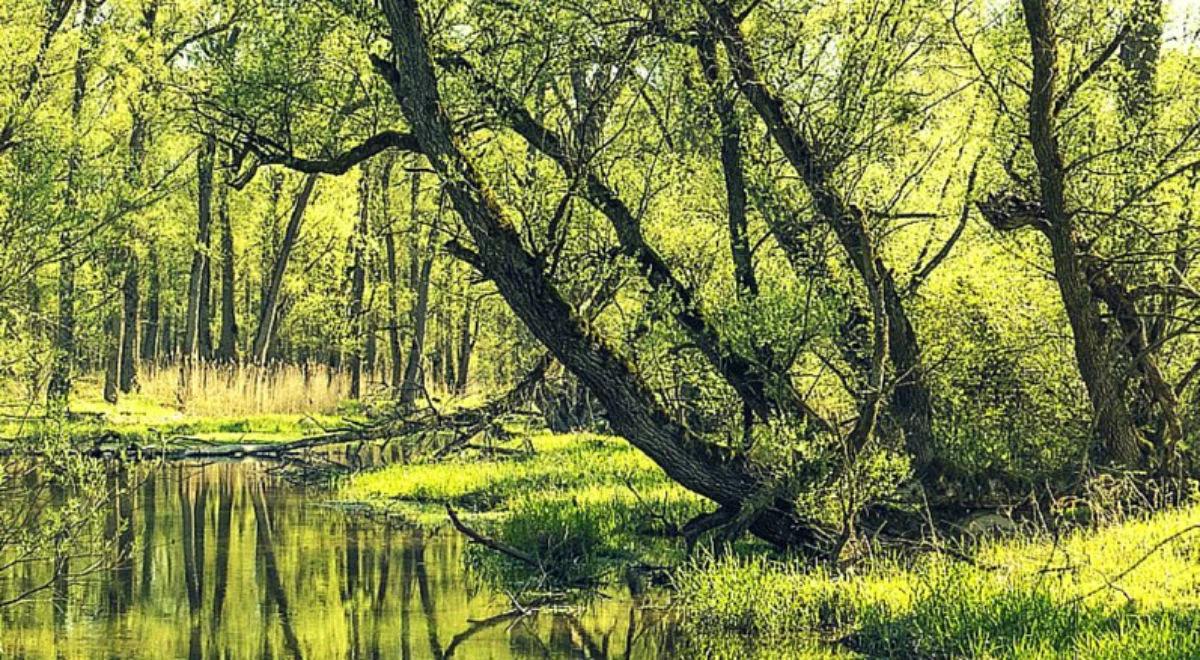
(1097, 64)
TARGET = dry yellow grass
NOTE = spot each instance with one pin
(217, 390)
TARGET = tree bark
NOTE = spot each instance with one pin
(131, 301)
(419, 271)
(358, 283)
(749, 380)
(113, 342)
(730, 131)
(468, 330)
(1139, 56)
(150, 339)
(197, 291)
(269, 314)
(206, 309)
(1094, 353)
(227, 348)
(59, 390)
(389, 242)
(632, 408)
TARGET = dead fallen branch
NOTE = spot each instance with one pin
(492, 544)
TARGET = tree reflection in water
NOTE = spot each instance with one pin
(226, 561)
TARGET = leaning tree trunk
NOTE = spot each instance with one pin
(1098, 362)
(910, 403)
(269, 314)
(632, 408)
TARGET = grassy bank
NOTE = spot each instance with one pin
(588, 471)
(1083, 596)
(588, 505)
(585, 506)
(218, 405)
(590, 508)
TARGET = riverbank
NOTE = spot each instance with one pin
(143, 420)
(1130, 588)
(591, 511)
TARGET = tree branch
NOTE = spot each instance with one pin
(268, 152)
(490, 543)
(1097, 64)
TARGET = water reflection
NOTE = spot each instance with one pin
(224, 561)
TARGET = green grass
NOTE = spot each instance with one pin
(1042, 600)
(137, 418)
(584, 506)
(591, 467)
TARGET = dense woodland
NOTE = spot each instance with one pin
(827, 263)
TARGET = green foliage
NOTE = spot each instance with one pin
(573, 545)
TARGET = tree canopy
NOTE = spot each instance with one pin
(809, 256)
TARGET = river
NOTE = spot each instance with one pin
(226, 560)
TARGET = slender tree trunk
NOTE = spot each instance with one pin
(420, 267)
(389, 242)
(227, 349)
(394, 344)
(271, 308)
(113, 342)
(131, 296)
(131, 300)
(166, 344)
(370, 342)
(150, 340)
(448, 350)
(731, 165)
(197, 292)
(469, 328)
(59, 389)
(358, 283)
(206, 310)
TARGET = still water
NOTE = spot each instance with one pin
(224, 560)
